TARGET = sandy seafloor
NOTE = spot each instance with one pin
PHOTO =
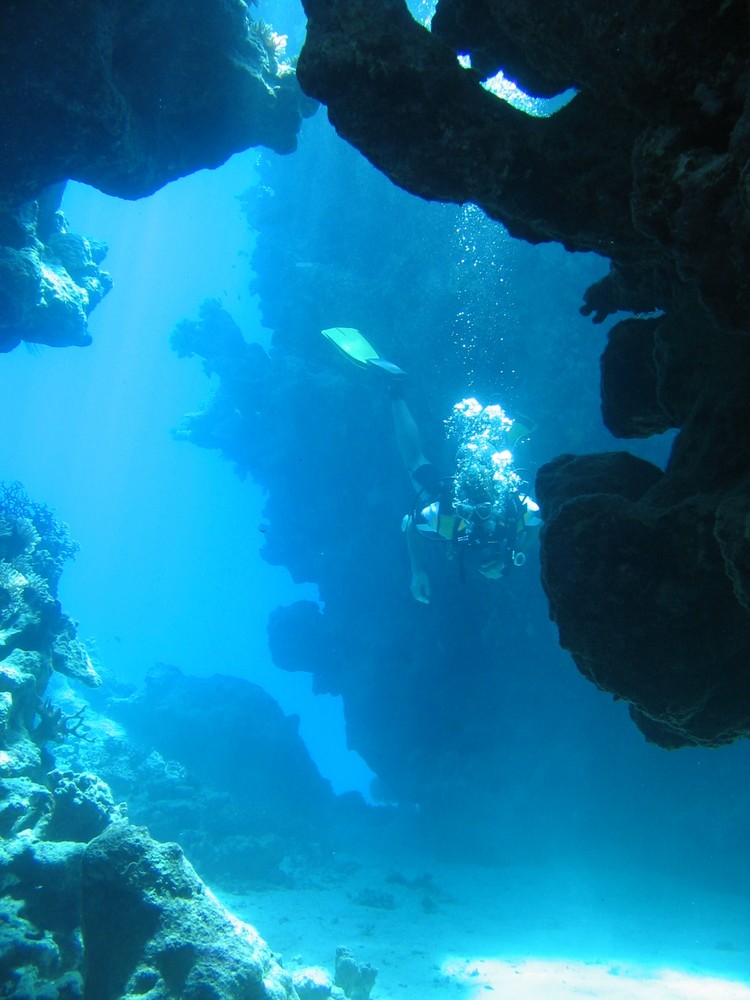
(463, 931)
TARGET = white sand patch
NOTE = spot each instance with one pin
(467, 932)
(534, 979)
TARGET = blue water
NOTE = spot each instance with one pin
(169, 568)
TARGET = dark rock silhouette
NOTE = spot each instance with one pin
(433, 696)
(127, 98)
(644, 165)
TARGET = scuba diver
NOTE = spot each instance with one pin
(484, 508)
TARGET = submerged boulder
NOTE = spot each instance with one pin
(217, 764)
(151, 926)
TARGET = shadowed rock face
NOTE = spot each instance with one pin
(426, 703)
(643, 599)
(647, 165)
(465, 706)
(398, 93)
(649, 584)
(127, 97)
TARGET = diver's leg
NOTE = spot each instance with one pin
(408, 438)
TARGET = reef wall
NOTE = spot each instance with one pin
(646, 165)
(92, 904)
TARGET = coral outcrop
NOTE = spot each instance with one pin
(44, 817)
(355, 978)
(125, 98)
(197, 769)
(120, 915)
(91, 906)
(36, 637)
(150, 925)
(128, 97)
(50, 277)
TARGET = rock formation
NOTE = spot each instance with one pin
(120, 915)
(151, 925)
(50, 278)
(214, 762)
(124, 98)
(35, 636)
(127, 98)
(651, 148)
(91, 906)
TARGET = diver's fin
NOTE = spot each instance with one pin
(387, 366)
(521, 430)
(352, 344)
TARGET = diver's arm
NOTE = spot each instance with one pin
(420, 582)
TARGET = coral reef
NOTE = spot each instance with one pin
(355, 978)
(647, 165)
(44, 817)
(196, 768)
(91, 906)
(119, 915)
(36, 637)
(50, 278)
(117, 96)
(150, 925)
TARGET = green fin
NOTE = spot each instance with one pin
(521, 430)
(351, 343)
